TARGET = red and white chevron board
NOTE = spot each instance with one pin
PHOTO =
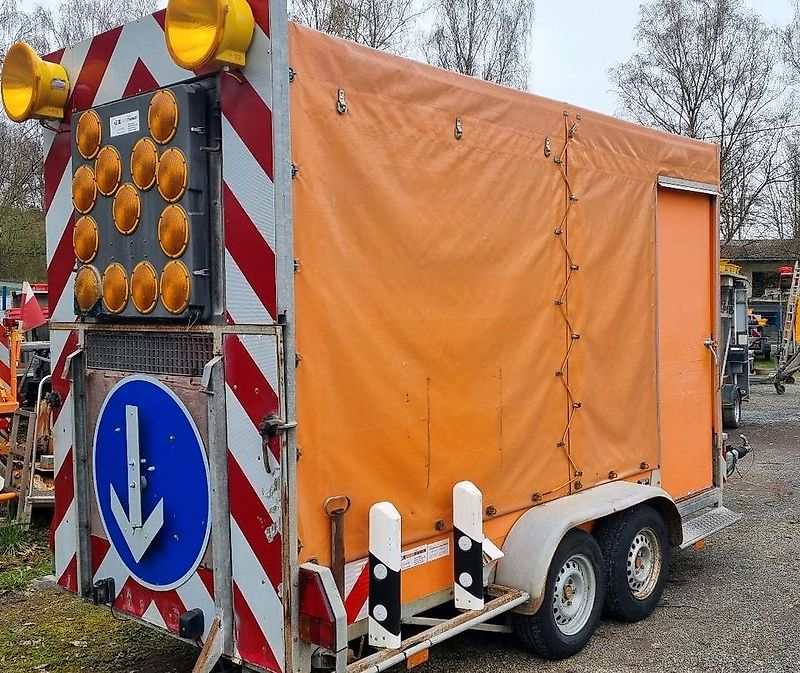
(356, 590)
(5, 359)
(124, 62)
(252, 377)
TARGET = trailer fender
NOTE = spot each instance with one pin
(532, 541)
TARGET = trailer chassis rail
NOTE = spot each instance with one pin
(507, 599)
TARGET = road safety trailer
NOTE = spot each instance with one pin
(340, 337)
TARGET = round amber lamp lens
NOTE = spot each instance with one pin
(175, 287)
(89, 134)
(20, 86)
(194, 31)
(87, 288)
(144, 287)
(162, 116)
(127, 209)
(115, 288)
(144, 161)
(84, 190)
(172, 175)
(200, 32)
(108, 170)
(85, 239)
(173, 231)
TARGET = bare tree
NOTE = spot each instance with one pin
(46, 29)
(711, 69)
(780, 216)
(488, 39)
(381, 24)
(21, 153)
(21, 181)
(790, 38)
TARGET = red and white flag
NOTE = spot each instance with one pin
(31, 314)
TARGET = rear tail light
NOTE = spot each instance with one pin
(317, 617)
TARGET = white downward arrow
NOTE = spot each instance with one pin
(138, 535)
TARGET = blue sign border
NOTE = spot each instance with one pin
(204, 547)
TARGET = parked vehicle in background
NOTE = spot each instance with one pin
(737, 358)
(323, 373)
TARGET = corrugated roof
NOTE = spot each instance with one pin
(776, 250)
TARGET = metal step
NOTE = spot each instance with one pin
(706, 524)
(507, 599)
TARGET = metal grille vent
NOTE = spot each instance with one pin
(149, 352)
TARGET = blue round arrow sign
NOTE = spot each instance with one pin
(151, 482)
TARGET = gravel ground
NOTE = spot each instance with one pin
(732, 607)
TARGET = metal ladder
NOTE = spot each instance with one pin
(15, 477)
(788, 343)
(23, 465)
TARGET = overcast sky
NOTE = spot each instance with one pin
(576, 42)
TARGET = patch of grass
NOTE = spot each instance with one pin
(55, 632)
(12, 538)
(24, 556)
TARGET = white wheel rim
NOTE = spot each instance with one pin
(643, 565)
(737, 410)
(574, 594)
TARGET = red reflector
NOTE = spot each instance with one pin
(317, 621)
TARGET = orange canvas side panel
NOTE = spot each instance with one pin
(610, 275)
(686, 281)
(425, 321)
(611, 303)
(429, 337)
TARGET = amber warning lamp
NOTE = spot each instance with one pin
(209, 32)
(32, 88)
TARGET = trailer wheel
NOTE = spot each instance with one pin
(732, 417)
(636, 550)
(574, 595)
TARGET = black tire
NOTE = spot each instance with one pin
(780, 388)
(732, 417)
(540, 632)
(619, 536)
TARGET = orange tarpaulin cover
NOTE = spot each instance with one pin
(433, 345)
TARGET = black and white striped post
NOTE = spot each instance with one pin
(384, 575)
(468, 546)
